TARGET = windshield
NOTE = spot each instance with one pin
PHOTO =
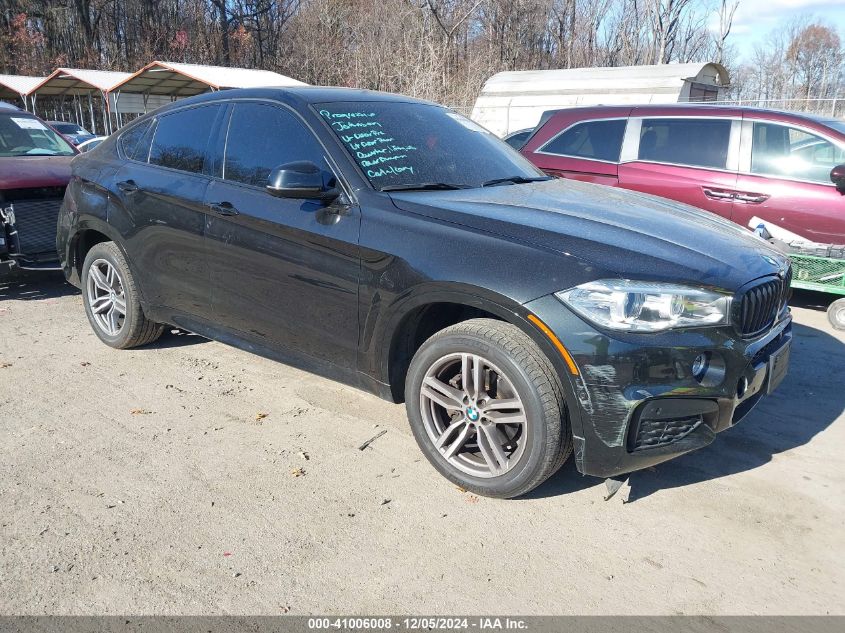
(415, 145)
(22, 135)
(69, 128)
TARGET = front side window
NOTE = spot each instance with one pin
(692, 142)
(412, 145)
(594, 140)
(779, 150)
(181, 139)
(262, 137)
(24, 135)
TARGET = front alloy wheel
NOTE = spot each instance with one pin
(486, 407)
(473, 415)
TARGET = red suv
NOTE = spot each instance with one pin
(34, 171)
(745, 164)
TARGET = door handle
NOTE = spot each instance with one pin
(223, 208)
(718, 195)
(127, 186)
(753, 198)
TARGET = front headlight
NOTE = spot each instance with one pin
(642, 306)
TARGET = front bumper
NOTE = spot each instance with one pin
(635, 402)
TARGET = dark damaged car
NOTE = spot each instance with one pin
(34, 171)
(396, 246)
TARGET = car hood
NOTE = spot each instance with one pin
(616, 231)
(34, 171)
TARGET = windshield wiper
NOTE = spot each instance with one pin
(516, 180)
(424, 186)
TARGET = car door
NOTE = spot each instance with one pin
(284, 272)
(689, 159)
(785, 182)
(587, 150)
(162, 191)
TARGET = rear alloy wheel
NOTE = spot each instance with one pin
(106, 297)
(111, 299)
(486, 408)
(836, 314)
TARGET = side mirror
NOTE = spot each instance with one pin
(302, 180)
(837, 177)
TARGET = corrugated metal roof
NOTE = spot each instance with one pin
(78, 80)
(603, 79)
(183, 80)
(14, 86)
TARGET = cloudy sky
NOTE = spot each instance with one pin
(755, 18)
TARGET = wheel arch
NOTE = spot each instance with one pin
(425, 313)
(89, 232)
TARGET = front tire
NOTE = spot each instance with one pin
(486, 407)
(111, 300)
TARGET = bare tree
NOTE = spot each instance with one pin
(437, 49)
(727, 10)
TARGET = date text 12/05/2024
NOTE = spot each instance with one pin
(484, 623)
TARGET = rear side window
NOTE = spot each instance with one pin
(595, 140)
(132, 143)
(181, 139)
(778, 150)
(693, 142)
(262, 137)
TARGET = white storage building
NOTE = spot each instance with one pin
(513, 101)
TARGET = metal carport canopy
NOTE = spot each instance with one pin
(17, 86)
(63, 81)
(184, 80)
(74, 82)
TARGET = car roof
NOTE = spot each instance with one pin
(296, 95)
(567, 115)
(697, 107)
(8, 106)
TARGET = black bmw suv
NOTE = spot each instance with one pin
(398, 247)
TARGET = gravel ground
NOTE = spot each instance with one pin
(192, 478)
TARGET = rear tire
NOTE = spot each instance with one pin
(836, 314)
(111, 300)
(502, 439)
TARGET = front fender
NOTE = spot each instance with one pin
(380, 336)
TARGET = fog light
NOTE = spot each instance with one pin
(699, 366)
(741, 387)
(708, 368)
